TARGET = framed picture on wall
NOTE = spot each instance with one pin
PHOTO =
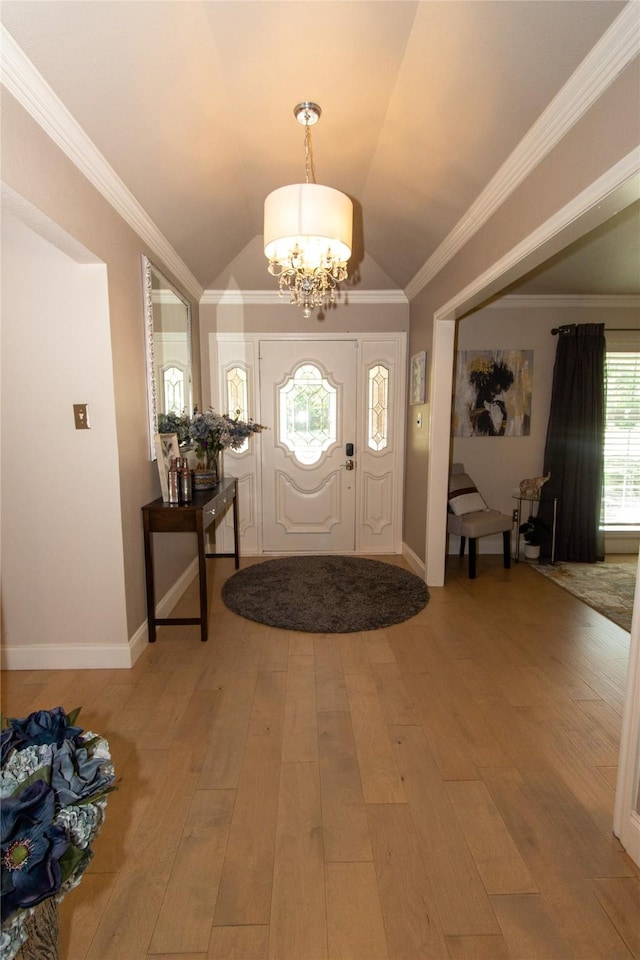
(493, 393)
(418, 386)
(167, 447)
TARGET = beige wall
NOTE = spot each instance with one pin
(604, 135)
(38, 171)
(57, 544)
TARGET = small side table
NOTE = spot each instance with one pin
(162, 517)
(518, 513)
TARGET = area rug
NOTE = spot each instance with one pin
(607, 587)
(325, 594)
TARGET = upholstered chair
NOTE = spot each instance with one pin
(470, 518)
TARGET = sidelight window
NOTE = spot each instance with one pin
(378, 407)
(173, 385)
(237, 398)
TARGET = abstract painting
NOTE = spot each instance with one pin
(493, 393)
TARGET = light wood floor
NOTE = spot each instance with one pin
(440, 789)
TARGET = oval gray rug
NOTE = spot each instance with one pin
(325, 594)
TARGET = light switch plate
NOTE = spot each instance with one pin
(81, 416)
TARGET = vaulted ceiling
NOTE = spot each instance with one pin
(191, 103)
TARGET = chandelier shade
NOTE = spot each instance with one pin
(314, 219)
(308, 231)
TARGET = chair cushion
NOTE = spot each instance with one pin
(463, 495)
(480, 524)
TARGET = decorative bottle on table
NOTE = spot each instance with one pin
(186, 482)
(174, 481)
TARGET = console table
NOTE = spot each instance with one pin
(162, 517)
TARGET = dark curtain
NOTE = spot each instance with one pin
(574, 451)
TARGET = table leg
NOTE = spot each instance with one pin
(202, 576)
(236, 534)
(148, 569)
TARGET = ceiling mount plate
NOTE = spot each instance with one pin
(307, 113)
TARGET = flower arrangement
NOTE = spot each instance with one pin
(54, 781)
(210, 432)
(172, 423)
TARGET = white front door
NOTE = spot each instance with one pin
(294, 491)
(308, 397)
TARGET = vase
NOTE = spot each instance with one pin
(208, 471)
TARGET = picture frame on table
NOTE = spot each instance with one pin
(418, 380)
(166, 447)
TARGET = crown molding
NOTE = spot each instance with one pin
(240, 297)
(167, 297)
(631, 301)
(374, 296)
(272, 297)
(606, 60)
(604, 194)
(32, 91)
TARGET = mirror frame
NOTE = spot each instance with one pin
(148, 270)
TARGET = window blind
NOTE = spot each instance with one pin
(621, 494)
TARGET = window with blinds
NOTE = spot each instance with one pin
(621, 494)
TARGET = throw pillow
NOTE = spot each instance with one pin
(464, 496)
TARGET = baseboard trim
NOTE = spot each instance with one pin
(69, 656)
(111, 656)
(139, 642)
(413, 560)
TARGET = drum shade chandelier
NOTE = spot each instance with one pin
(307, 231)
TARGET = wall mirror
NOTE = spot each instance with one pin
(168, 342)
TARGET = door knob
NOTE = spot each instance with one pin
(350, 465)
